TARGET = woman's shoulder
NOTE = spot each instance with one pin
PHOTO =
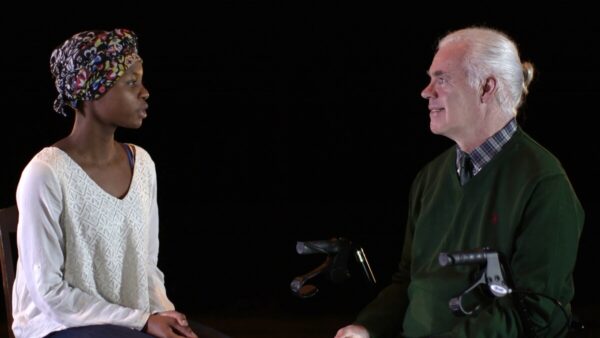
(139, 152)
(50, 156)
(142, 157)
(45, 166)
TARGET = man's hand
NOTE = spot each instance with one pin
(169, 324)
(352, 331)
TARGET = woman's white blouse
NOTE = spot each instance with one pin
(85, 256)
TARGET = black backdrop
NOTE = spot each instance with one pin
(271, 124)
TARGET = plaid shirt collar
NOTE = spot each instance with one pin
(483, 154)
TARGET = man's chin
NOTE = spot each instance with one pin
(435, 129)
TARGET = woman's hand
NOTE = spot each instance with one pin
(169, 324)
(181, 319)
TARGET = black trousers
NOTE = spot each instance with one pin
(114, 331)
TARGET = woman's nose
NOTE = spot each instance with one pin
(145, 94)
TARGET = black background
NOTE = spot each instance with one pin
(276, 123)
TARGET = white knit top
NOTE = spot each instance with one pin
(85, 256)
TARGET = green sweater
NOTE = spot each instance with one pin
(520, 204)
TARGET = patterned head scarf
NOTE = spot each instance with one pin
(88, 64)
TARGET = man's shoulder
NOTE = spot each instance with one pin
(445, 158)
(530, 153)
(438, 165)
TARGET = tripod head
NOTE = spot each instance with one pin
(338, 252)
(491, 275)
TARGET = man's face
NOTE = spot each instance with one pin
(453, 103)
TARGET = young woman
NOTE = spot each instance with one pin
(88, 224)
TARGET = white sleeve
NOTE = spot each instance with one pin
(159, 302)
(41, 247)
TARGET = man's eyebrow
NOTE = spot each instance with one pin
(437, 73)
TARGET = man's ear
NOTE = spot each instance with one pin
(488, 89)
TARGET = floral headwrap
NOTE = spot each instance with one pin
(88, 64)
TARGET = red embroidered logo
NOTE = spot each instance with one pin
(494, 218)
